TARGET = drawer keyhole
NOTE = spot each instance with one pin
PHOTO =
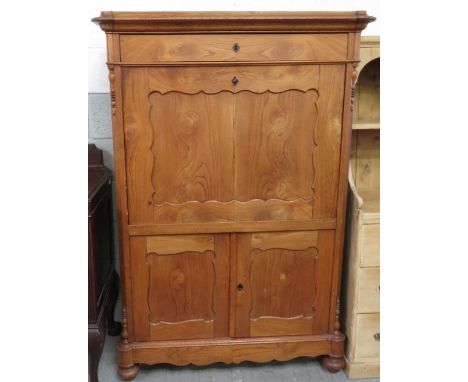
(240, 287)
(236, 47)
(235, 80)
(377, 336)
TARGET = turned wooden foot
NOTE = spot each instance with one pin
(113, 328)
(335, 361)
(333, 364)
(127, 369)
(128, 373)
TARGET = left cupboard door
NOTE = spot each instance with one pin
(180, 286)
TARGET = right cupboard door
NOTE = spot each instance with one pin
(281, 283)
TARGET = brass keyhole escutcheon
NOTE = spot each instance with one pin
(240, 287)
(235, 47)
(235, 80)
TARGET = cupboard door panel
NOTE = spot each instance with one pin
(282, 284)
(180, 286)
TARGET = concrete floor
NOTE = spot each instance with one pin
(297, 370)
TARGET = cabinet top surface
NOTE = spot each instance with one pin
(142, 22)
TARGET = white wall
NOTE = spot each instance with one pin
(97, 78)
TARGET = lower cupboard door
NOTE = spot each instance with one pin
(180, 286)
(283, 282)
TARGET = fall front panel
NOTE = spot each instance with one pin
(227, 144)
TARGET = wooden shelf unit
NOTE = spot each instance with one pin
(361, 287)
(366, 125)
(366, 114)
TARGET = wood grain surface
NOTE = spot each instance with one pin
(285, 277)
(180, 291)
(362, 271)
(264, 47)
(369, 290)
(224, 154)
(216, 22)
(232, 139)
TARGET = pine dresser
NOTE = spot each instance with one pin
(361, 262)
(231, 142)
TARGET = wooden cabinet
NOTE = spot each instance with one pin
(362, 252)
(103, 281)
(231, 140)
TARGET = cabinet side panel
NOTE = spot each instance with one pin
(349, 81)
(118, 138)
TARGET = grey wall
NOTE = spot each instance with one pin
(100, 125)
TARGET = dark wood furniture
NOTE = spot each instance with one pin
(103, 281)
(231, 140)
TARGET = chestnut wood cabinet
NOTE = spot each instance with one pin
(231, 142)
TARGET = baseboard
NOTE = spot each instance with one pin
(357, 370)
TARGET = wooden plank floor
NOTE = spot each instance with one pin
(297, 370)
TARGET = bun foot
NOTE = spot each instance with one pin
(128, 373)
(333, 364)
